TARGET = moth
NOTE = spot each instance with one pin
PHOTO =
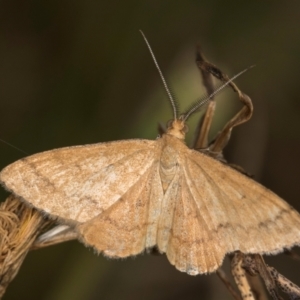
(125, 197)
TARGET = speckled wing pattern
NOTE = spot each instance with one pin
(78, 183)
(218, 210)
(123, 197)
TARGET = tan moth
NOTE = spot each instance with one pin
(126, 196)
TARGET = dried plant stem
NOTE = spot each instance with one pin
(284, 284)
(257, 287)
(222, 275)
(19, 227)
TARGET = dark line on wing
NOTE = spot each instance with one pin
(265, 222)
(130, 188)
(210, 181)
(221, 193)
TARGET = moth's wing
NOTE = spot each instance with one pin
(78, 183)
(219, 211)
(184, 233)
(129, 226)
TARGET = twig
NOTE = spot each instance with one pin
(239, 275)
(222, 275)
(284, 284)
(254, 265)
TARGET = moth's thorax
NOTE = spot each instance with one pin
(177, 128)
(169, 159)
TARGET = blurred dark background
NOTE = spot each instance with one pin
(78, 72)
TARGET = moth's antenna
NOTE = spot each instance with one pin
(173, 102)
(9, 144)
(200, 102)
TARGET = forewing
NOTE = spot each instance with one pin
(78, 183)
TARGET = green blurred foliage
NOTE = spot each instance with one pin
(78, 72)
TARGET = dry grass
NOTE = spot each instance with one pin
(19, 227)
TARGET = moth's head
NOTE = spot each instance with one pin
(177, 128)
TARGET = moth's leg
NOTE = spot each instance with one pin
(239, 276)
(56, 235)
(204, 125)
(222, 275)
(241, 117)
